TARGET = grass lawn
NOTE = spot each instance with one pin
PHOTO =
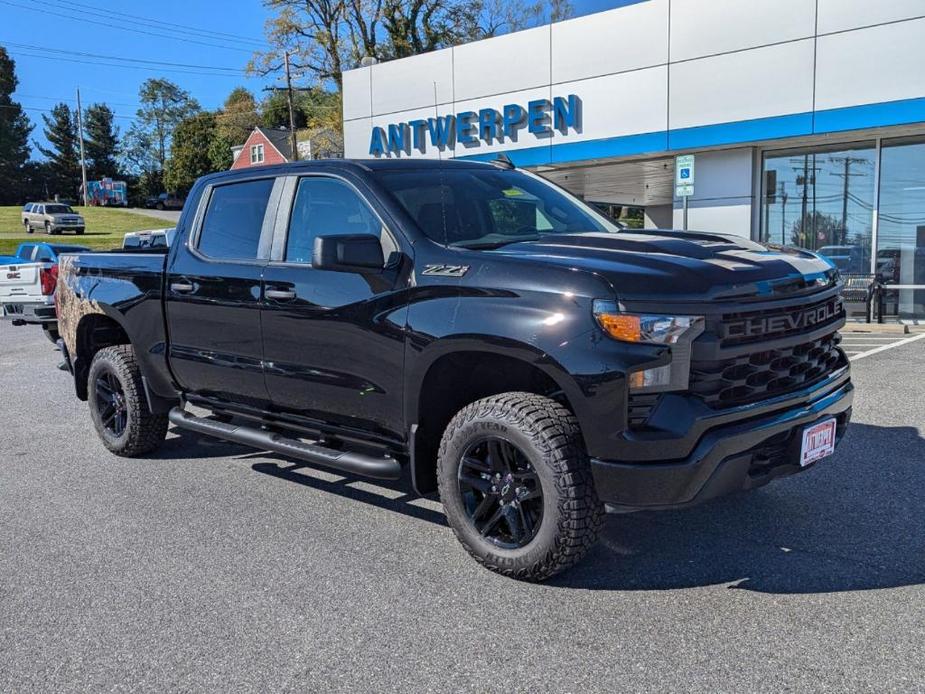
(105, 228)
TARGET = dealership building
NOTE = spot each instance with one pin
(806, 119)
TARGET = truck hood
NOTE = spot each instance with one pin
(680, 266)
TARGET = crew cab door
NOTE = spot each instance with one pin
(213, 295)
(333, 341)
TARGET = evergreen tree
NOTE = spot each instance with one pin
(63, 155)
(101, 142)
(14, 134)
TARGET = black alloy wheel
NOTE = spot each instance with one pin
(501, 492)
(111, 403)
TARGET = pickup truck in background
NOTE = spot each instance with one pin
(473, 325)
(27, 284)
(165, 201)
(152, 238)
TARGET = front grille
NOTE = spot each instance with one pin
(765, 374)
(752, 327)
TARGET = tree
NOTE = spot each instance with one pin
(190, 152)
(312, 108)
(163, 106)
(238, 117)
(816, 230)
(325, 37)
(63, 155)
(101, 142)
(14, 134)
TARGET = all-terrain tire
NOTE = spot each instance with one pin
(549, 436)
(144, 431)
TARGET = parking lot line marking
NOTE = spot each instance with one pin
(883, 348)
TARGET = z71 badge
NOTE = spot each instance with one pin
(446, 270)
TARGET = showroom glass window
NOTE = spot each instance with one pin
(822, 199)
(901, 225)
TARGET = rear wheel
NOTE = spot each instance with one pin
(516, 485)
(118, 406)
(28, 227)
(48, 228)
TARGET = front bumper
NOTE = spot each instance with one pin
(34, 312)
(761, 444)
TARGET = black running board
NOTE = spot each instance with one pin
(353, 463)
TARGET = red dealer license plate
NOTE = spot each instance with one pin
(818, 442)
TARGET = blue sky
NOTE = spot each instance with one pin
(140, 30)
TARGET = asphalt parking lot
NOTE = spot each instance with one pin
(213, 567)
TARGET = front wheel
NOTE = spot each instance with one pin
(516, 485)
(118, 406)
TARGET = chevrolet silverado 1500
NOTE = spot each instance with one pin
(472, 324)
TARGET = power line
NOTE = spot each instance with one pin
(69, 101)
(174, 27)
(119, 57)
(49, 110)
(23, 52)
(110, 25)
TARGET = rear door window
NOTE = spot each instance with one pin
(43, 254)
(234, 220)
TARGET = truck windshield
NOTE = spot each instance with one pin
(484, 208)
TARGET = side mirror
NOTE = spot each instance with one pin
(348, 253)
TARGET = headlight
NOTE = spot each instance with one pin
(678, 331)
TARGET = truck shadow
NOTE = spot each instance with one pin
(853, 523)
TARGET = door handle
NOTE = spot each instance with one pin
(280, 294)
(181, 287)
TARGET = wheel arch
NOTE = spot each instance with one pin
(453, 373)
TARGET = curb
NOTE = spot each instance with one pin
(884, 328)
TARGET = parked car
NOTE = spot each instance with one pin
(846, 258)
(165, 201)
(53, 217)
(475, 324)
(154, 238)
(27, 286)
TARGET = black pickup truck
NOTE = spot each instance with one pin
(474, 327)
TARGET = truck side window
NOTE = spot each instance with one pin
(234, 219)
(325, 207)
(43, 254)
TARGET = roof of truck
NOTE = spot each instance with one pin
(357, 165)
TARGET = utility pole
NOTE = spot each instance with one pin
(783, 213)
(295, 144)
(847, 161)
(80, 138)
